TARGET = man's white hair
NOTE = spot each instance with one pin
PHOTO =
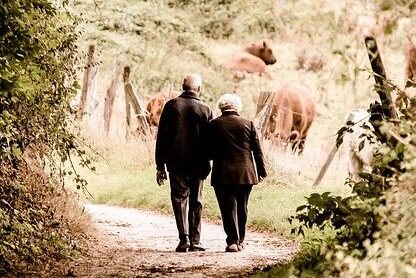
(192, 82)
(230, 102)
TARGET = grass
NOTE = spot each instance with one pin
(125, 176)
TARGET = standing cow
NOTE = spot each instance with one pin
(252, 59)
(291, 116)
(155, 105)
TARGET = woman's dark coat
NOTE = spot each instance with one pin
(235, 150)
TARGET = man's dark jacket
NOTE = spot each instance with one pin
(181, 137)
(233, 144)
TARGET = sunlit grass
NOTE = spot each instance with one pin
(125, 175)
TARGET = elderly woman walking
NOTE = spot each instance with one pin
(238, 164)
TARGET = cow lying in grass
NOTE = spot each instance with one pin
(252, 59)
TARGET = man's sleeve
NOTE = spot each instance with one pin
(161, 139)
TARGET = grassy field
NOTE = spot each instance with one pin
(163, 40)
(125, 175)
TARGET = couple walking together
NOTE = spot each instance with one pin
(188, 138)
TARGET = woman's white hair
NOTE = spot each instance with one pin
(192, 82)
(230, 102)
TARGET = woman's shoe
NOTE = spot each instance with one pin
(231, 248)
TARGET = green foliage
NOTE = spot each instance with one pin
(352, 217)
(359, 219)
(230, 18)
(37, 82)
(36, 79)
(391, 254)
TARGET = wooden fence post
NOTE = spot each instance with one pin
(126, 76)
(131, 99)
(382, 86)
(264, 108)
(89, 73)
(325, 166)
(110, 96)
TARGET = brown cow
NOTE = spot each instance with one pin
(252, 59)
(155, 105)
(292, 114)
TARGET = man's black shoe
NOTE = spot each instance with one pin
(183, 245)
(197, 247)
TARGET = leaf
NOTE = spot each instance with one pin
(314, 198)
(76, 85)
(326, 194)
(17, 152)
(5, 114)
(361, 145)
(312, 214)
(301, 208)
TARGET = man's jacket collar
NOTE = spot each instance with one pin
(189, 94)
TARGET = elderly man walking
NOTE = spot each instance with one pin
(181, 145)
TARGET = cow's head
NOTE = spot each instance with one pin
(263, 51)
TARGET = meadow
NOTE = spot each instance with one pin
(316, 43)
(125, 175)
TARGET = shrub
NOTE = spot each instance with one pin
(364, 222)
(37, 74)
(34, 222)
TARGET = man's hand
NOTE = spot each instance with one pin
(161, 177)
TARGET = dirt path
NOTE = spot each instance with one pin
(135, 243)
